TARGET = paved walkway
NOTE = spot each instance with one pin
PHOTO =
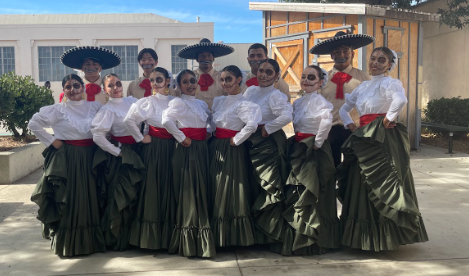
(442, 183)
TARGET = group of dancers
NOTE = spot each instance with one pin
(200, 161)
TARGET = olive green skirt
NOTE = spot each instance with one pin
(268, 176)
(192, 235)
(231, 217)
(68, 201)
(121, 176)
(380, 209)
(311, 222)
(155, 211)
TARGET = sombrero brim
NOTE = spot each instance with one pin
(74, 57)
(354, 40)
(217, 50)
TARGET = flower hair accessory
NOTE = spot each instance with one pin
(325, 79)
(393, 61)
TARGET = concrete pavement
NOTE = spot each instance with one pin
(442, 184)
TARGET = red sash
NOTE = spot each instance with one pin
(301, 136)
(252, 81)
(205, 81)
(260, 126)
(368, 118)
(124, 139)
(146, 84)
(80, 143)
(92, 90)
(339, 79)
(195, 133)
(159, 133)
(223, 133)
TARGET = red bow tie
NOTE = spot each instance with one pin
(252, 81)
(92, 90)
(340, 78)
(145, 84)
(205, 81)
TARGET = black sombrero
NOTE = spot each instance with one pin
(340, 39)
(75, 57)
(205, 45)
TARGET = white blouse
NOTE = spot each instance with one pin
(186, 112)
(150, 110)
(70, 120)
(236, 113)
(312, 114)
(275, 108)
(379, 95)
(110, 119)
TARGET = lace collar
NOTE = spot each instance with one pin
(73, 112)
(195, 106)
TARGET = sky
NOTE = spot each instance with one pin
(233, 21)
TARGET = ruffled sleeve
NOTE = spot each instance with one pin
(100, 127)
(326, 120)
(395, 91)
(176, 109)
(46, 117)
(350, 103)
(138, 112)
(281, 108)
(250, 113)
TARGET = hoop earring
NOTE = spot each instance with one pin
(166, 91)
(239, 89)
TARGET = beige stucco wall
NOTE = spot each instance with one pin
(445, 58)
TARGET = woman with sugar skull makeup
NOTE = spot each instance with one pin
(188, 120)
(311, 223)
(155, 210)
(380, 209)
(267, 149)
(117, 163)
(235, 119)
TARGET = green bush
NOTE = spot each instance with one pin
(453, 111)
(20, 98)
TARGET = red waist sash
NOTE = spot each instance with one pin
(368, 118)
(159, 132)
(223, 133)
(195, 133)
(124, 139)
(80, 143)
(301, 136)
(260, 126)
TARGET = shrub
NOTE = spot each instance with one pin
(453, 111)
(20, 98)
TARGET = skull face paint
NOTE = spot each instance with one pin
(342, 57)
(188, 84)
(91, 68)
(113, 87)
(229, 82)
(147, 62)
(205, 60)
(310, 81)
(255, 58)
(158, 82)
(266, 75)
(73, 90)
(379, 63)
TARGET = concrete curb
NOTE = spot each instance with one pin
(20, 162)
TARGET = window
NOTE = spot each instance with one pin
(7, 60)
(177, 64)
(128, 69)
(50, 67)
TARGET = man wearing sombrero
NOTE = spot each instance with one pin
(343, 78)
(208, 78)
(91, 60)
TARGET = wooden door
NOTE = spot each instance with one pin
(290, 55)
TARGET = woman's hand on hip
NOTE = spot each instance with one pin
(146, 139)
(57, 144)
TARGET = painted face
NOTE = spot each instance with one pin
(379, 63)
(255, 57)
(342, 55)
(266, 75)
(159, 82)
(113, 87)
(73, 90)
(229, 82)
(147, 62)
(91, 67)
(310, 81)
(205, 60)
(188, 84)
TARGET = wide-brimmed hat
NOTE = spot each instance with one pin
(341, 39)
(75, 57)
(205, 45)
